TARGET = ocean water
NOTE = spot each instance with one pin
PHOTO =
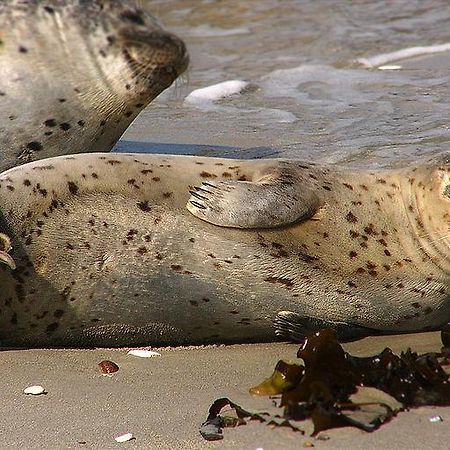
(306, 95)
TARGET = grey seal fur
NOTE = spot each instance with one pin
(108, 254)
(74, 74)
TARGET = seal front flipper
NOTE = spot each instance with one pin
(5, 247)
(276, 196)
(294, 327)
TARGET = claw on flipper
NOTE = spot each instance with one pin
(5, 247)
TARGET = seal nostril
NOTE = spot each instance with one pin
(133, 17)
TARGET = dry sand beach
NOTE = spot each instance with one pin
(163, 400)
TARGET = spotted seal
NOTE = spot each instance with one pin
(108, 254)
(74, 74)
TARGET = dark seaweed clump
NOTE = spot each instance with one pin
(336, 389)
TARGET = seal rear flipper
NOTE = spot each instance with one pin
(294, 327)
(275, 197)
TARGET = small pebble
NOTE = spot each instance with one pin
(124, 437)
(143, 353)
(34, 390)
(308, 444)
(436, 419)
(108, 367)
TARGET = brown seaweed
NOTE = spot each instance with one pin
(336, 389)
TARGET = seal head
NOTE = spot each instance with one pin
(74, 74)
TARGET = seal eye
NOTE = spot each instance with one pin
(447, 191)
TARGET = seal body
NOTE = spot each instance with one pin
(74, 74)
(108, 254)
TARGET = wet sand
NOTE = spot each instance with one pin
(163, 400)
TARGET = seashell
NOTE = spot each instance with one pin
(34, 390)
(435, 419)
(124, 437)
(108, 367)
(143, 353)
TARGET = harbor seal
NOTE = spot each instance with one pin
(107, 252)
(74, 74)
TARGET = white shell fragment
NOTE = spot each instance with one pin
(390, 67)
(216, 92)
(143, 353)
(34, 390)
(405, 53)
(436, 419)
(124, 437)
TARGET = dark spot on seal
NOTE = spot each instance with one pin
(142, 250)
(176, 267)
(353, 254)
(387, 252)
(23, 49)
(26, 182)
(370, 230)
(73, 188)
(350, 217)
(81, 123)
(207, 175)
(348, 186)
(143, 206)
(65, 126)
(58, 313)
(34, 146)
(52, 327)
(50, 123)
(156, 179)
(193, 302)
(278, 280)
